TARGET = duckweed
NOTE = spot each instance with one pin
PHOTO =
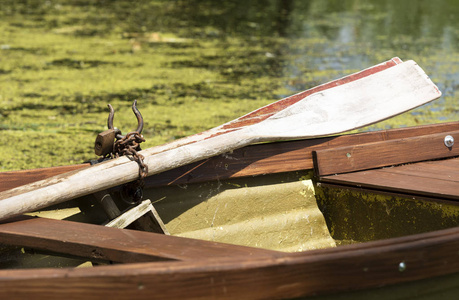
(193, 65)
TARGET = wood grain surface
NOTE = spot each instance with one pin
(317, 272)
(386, 153)
(437, 179)
(113, 244)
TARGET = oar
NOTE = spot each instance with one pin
(357, 100)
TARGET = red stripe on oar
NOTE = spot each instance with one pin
(269, 110)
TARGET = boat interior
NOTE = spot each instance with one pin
(288, 196)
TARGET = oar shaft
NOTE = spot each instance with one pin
(61, 188)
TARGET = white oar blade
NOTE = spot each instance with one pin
(353, 105)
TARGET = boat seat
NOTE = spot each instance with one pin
(423, 165)
(438, 179)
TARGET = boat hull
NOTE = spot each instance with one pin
(378, 243)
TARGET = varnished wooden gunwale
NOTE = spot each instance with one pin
(317, 272)
(384, 153)
(12, 179)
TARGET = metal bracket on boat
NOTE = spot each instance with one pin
(128, 145)
(105, 141)
(136, 113)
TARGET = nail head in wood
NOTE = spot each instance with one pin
(449, 141)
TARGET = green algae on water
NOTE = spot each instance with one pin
(193, 65)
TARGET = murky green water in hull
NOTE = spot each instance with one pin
(193, 65)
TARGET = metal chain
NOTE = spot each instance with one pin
(129, 145)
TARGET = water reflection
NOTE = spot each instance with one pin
(345, 36)
(349, 34)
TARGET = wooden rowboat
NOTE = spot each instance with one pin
(351, 216)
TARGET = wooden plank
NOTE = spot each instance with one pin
(311, 273)
(12, 179)
(112, 244)
(128, 217)
(446, 170)
(425, 178)
(146, 216)
(153, 220)
(381, 154)
(446, 164)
